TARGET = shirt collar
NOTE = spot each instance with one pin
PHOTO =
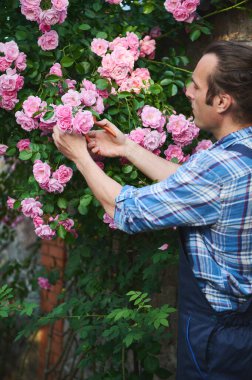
(233, 138)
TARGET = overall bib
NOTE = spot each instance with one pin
(211, 345)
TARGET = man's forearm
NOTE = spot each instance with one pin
(104, 188)
(154, 167)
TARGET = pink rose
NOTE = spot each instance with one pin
(191, 5)
(63, 174)
(45, 232)
(171, 5)
(64, 118)
(71, 83)
(41, 171)
(56, 70)
(132, 41)
(147, 46)
(44, 283)
(83, 122)
(119, 73)
(60, 5)
(88, 97)
(3, 149)
(174, 151)
(49, 40)
(20, 62)
(11, 51)
(99, 46)
(113, 1)
(37, 221)
(110, 221)
(67, 224)
(10, 202)
(151, 117)
(23, 144)
(30, 3)
(177, 124)
(31, 13)
(49, 17)
(154, 140)
(8, 82)
(164, 247)
(31, 105)
(4, 64)
(31, 208)
(99, 106)
(88, 85)
(71, 98)
(27, 123)
(54, 186)
(8, 103)
(181, 13)
(203, 145)
(138, 135)
(155, 32)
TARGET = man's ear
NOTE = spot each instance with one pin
(223, 102)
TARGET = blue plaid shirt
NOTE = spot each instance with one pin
(210, 197)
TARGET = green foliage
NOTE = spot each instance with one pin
(106, 315)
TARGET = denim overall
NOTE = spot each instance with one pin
(211, 345)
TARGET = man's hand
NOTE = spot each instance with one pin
(103, 143)
(72, 146)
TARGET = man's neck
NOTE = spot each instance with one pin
(229, 127)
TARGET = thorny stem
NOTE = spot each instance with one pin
(123, 363)
(173, 67)
(76, 316)
(225, 9)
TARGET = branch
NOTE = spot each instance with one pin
(225, 9)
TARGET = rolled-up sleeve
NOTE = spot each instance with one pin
(190, 197)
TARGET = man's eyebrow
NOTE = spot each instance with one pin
(193, 80)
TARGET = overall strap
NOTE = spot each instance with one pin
(244, 150)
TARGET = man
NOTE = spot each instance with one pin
(210, 199)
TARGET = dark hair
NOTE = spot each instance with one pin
(233, 75)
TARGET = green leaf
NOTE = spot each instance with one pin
(102, 84)
(25, 155)
(16, 205)
(134, 174)
(166, 81)
(90, 14)
(62, 203)
(11, 152)
(151, 364)
(21, 35)
(102, 35)
(67, 61)
(86, 199)
(48, 208)
(123, 94)
(48, 115)
(148, 8)
(174, 160)
(155, 89)
(84, 27)
(127, 169)
(61, 232)
(195, 35)
(172, 89)
(52, 78)
(113, 110)
(97, 7)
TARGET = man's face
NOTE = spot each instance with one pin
(205, 116)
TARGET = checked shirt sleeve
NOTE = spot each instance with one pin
(190, 197)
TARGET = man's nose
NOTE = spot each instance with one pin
(189, 92)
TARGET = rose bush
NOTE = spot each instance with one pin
(110, 61)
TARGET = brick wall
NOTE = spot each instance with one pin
(53, 256)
